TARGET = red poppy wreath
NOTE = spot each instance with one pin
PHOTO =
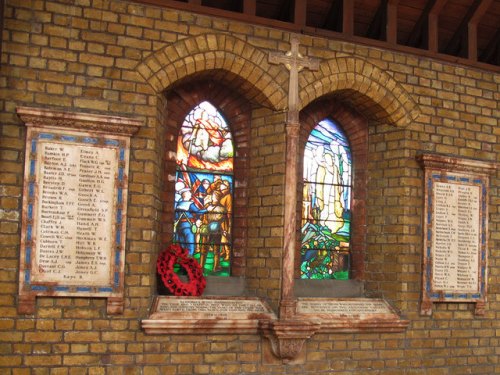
(174, 254)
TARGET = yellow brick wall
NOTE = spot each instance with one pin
(116, 57)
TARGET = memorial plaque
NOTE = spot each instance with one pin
(456, 231)
(343, 307)
(220, 308)
(74, 207)
(75, 214)
(351, 314)
(188, 315)
(455, 237)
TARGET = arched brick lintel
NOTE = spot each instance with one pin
(208, 52)
(359, 79)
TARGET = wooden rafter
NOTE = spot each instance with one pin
(456, 45)
(418, 35)
(472, 28)
(376, 30)
(491, 53)
(348, 17)
(336, 18)
(285, 12)
(300, 12)
(392, 22)
(333, 19)
(433, 26)
(384, 24)
(250, 7)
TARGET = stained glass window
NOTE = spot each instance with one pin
(204, 189)
(326, 207)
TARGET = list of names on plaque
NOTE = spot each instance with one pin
(456, 237)
(76, 197)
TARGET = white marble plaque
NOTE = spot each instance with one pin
(75, 213)
(214, 315)
(74, 206)
(456, 240)
(209, 308)
(455, 231)
(351, 314)
(361, 306)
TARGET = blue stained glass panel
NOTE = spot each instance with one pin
(326, 204)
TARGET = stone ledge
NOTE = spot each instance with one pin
(206, 315)
(351, 315)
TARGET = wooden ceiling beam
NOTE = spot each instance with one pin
(491, 53)
(250, 7)
(384, 24)
(376, 30)
(433, 25)
(348, 17)
(300, 12)
(333, 19)
(392, 22)
(472, 28)
(285, 12)
(456, 46)
(418, 35)
(489, 57)
(481, 9)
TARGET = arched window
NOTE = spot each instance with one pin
(204, 189)
(326, 204)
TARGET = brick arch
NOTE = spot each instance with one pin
(210, 52)
(376, 94)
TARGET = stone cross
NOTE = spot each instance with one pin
(294, 62)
